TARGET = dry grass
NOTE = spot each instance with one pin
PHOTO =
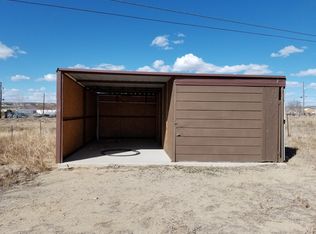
(25, 148)
(303, 138)
(266, 199)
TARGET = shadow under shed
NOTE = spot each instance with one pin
(120, 151)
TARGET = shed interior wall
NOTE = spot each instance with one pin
(73, 116)
(79, 115)
(128, 116)
(88, 113)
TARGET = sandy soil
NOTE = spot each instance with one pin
(264, 199)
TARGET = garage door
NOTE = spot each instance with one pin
(129, 115)
(219, 123)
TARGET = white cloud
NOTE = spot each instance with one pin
(157, 65)
(102, 66)
(146, 69)
(36, 95)
(194, 64)
(19, 77)
(29, 95)
(80, 66)
(308, 72)
(287, 51)
(312, 85)
(178, 42)
(290, 94)
(7, 52)
(293, 84)
(42, 89)
(12, 95)
(48, 77)
(162, 42)
(107, 66)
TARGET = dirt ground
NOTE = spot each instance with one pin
(261, 199)
(168, 199)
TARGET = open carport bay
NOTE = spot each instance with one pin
(100, 112)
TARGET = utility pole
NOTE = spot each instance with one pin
(43, 105)
(303, 99)
(0, 99)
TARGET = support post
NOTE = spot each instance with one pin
(97, 130)
(1, 100)
(288, 125)
(303, 99)
(43, 105)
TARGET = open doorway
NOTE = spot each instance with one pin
(100, 112)
(128, 128)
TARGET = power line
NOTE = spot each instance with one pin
(159, 20)
(211, 17)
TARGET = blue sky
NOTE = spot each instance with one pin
(36, 40)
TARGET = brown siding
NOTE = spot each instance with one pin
(73, 95)
(217, 115)
(281, 123)
(169, 137)
(59, 119)
(217, 97)
(271, 124)
(73, 115)
(219, 123)
(222, 149)
(222, 123)
(217, 132)
(128, 116)
(218, 89)
(72, 139)
(90, 129)
(220, 157)
(215, 141)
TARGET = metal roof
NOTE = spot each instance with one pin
(173, 74)
(93, 78)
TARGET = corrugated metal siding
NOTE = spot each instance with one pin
(219, 123)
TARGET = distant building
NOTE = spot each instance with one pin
(310, 111)
(49, 113)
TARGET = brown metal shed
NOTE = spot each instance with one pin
(194, 117)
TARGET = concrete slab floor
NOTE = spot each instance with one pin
(141, 152)
(122, 151)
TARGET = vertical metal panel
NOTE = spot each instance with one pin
(84, 101)
(163, 114)
(98, 120)
(72, 139)
(169, 139)
(281, 122)
(59, 121)
(72, 109)
(271, 124)
(90, 115)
